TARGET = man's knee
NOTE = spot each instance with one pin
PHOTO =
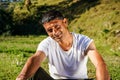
(41, 74)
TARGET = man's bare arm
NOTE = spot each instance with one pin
(31, 66)
(97, 60)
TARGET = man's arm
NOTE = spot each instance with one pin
(97, 60)
(31, 66)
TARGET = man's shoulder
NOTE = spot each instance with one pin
(78, 35)
(47, 40)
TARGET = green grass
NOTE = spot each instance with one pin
(14, 51)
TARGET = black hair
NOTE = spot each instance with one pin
(51, 15)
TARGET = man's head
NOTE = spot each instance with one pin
(55, 25)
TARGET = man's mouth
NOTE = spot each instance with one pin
(57, 36)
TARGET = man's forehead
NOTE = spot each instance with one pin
(52, 22)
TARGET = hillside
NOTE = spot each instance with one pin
(101, 22)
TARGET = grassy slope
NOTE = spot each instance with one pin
(102, 22)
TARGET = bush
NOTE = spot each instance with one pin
(5, 22)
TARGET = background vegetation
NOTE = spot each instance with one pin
(20, 31)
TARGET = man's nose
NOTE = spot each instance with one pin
(54, 31)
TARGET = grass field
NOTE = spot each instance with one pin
(14, 51)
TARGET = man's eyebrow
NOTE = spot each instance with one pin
(49, 28)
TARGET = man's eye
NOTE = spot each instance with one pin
(57, 26)
(49, 30)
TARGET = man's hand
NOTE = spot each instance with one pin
(21, 77)
(31, 66)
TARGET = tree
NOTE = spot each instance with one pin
(27, 4)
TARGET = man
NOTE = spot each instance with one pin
(67, 53)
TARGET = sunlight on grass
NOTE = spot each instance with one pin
(14, 51)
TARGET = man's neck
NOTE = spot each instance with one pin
(66, 42)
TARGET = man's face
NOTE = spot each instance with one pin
(56, 29)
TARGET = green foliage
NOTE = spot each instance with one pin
(24, 21)
(28, 22)
(5, 22)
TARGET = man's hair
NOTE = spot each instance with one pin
(51, 15)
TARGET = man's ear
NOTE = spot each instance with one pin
(65, 21)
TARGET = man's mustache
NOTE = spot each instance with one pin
(57, 35)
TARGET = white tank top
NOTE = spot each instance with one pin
(69, 64)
